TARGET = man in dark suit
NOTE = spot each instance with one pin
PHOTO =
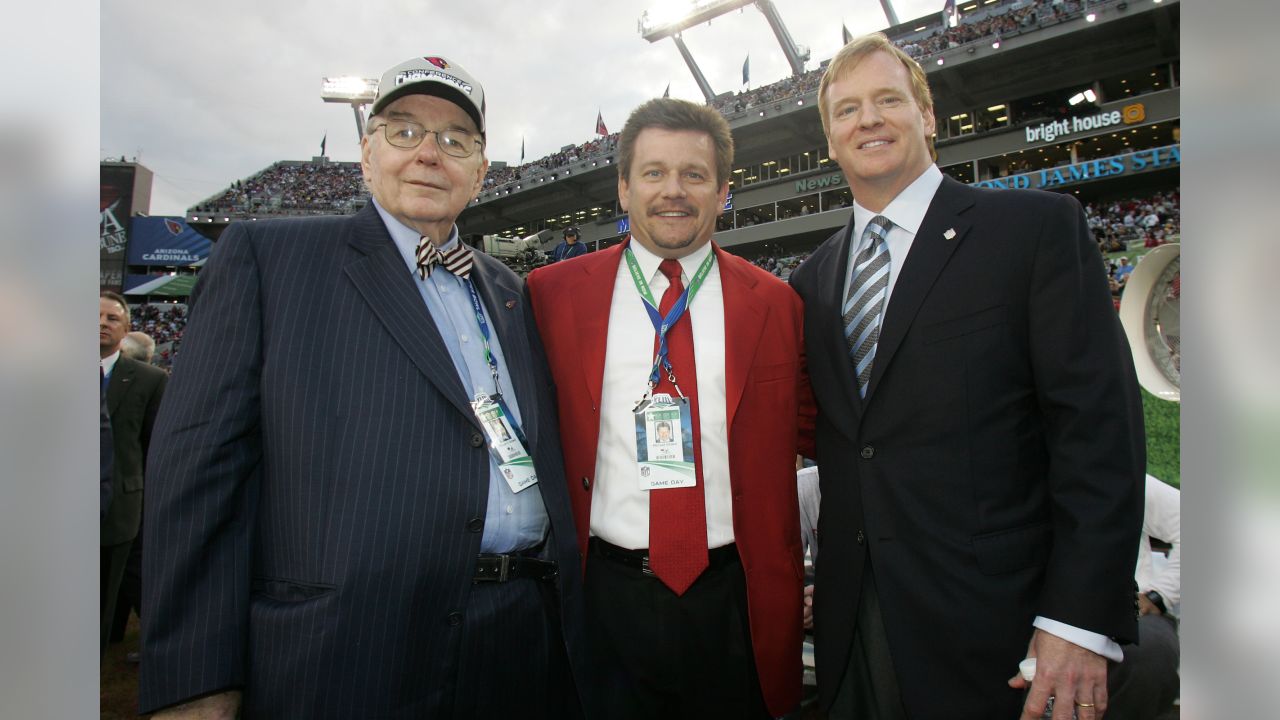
(692, 576)
(133, 391)
(339, 535)
(979, 428)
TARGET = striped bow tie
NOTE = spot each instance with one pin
(457, 261)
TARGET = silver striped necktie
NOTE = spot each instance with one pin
(457, 261)
(863, 307)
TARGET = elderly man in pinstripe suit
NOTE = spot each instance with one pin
(382, 536)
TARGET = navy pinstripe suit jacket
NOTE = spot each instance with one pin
(315, 477)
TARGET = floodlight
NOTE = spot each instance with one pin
(1091, 17)
(349, 89)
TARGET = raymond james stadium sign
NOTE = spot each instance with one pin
(1144, 160)
(1050, 131)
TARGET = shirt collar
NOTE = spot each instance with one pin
(649, 262)
(908, 209)
(407, 239)
(109, 362)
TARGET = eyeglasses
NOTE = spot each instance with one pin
(408, 134)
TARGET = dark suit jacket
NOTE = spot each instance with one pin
(995, 470)
(106, 455)
(319, 481)
(763, 362)
(133, 400)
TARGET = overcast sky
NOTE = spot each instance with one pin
(203, 94)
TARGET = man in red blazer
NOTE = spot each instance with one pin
(691, 545)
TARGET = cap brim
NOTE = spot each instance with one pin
(439, 90)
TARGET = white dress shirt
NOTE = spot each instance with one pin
(619, 506)
(109, 363)
(907, 212)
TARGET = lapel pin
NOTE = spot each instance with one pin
(950, 234)
(511, 304)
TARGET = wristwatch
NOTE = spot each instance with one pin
(1156, 600)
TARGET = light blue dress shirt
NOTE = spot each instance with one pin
(513, 521)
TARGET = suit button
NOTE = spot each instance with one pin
(475, 525)
(586, 483)
(862, 539)
(477, 439)
(455, 619)
(868, 452)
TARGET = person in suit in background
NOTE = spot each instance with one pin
(132, 393)
(106, 455)
(141, 347)
(979, 428)
(692, 581)
(343, 535)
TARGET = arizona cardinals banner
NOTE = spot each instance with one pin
(166, 241)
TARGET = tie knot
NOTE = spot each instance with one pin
(671, 268)
(879, 226)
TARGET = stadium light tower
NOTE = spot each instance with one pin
(674, 16)
(889, 13)
(355, 91)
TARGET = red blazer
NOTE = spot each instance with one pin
(764, 387)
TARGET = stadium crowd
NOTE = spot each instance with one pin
(585, 151)
(1152, 220)
(293, 188)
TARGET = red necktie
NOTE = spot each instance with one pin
(678, 516)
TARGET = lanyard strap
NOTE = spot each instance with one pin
(484, 334)
(662, 324)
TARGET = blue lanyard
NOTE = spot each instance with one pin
(493, 364)
(662, 324)
(484, 333)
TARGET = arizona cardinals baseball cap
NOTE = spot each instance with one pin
(432, 75)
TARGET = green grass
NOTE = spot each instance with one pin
(1164, 439)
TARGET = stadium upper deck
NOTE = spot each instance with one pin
(1001, 82)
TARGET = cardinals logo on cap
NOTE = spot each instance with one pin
(173, 226)
(438, 62)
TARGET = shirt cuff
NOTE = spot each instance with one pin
(1087, 639)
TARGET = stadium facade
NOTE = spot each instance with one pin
(1004, 82)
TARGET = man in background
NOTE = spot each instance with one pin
(569, 247)
(132, 392)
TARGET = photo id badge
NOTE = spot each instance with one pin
(506, 442)
(664, 443)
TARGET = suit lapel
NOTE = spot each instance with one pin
(504, 302)
(834, 348)
(930, 251)
(381, 277)
(744, 317)
(593, 296)
(120, 383)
